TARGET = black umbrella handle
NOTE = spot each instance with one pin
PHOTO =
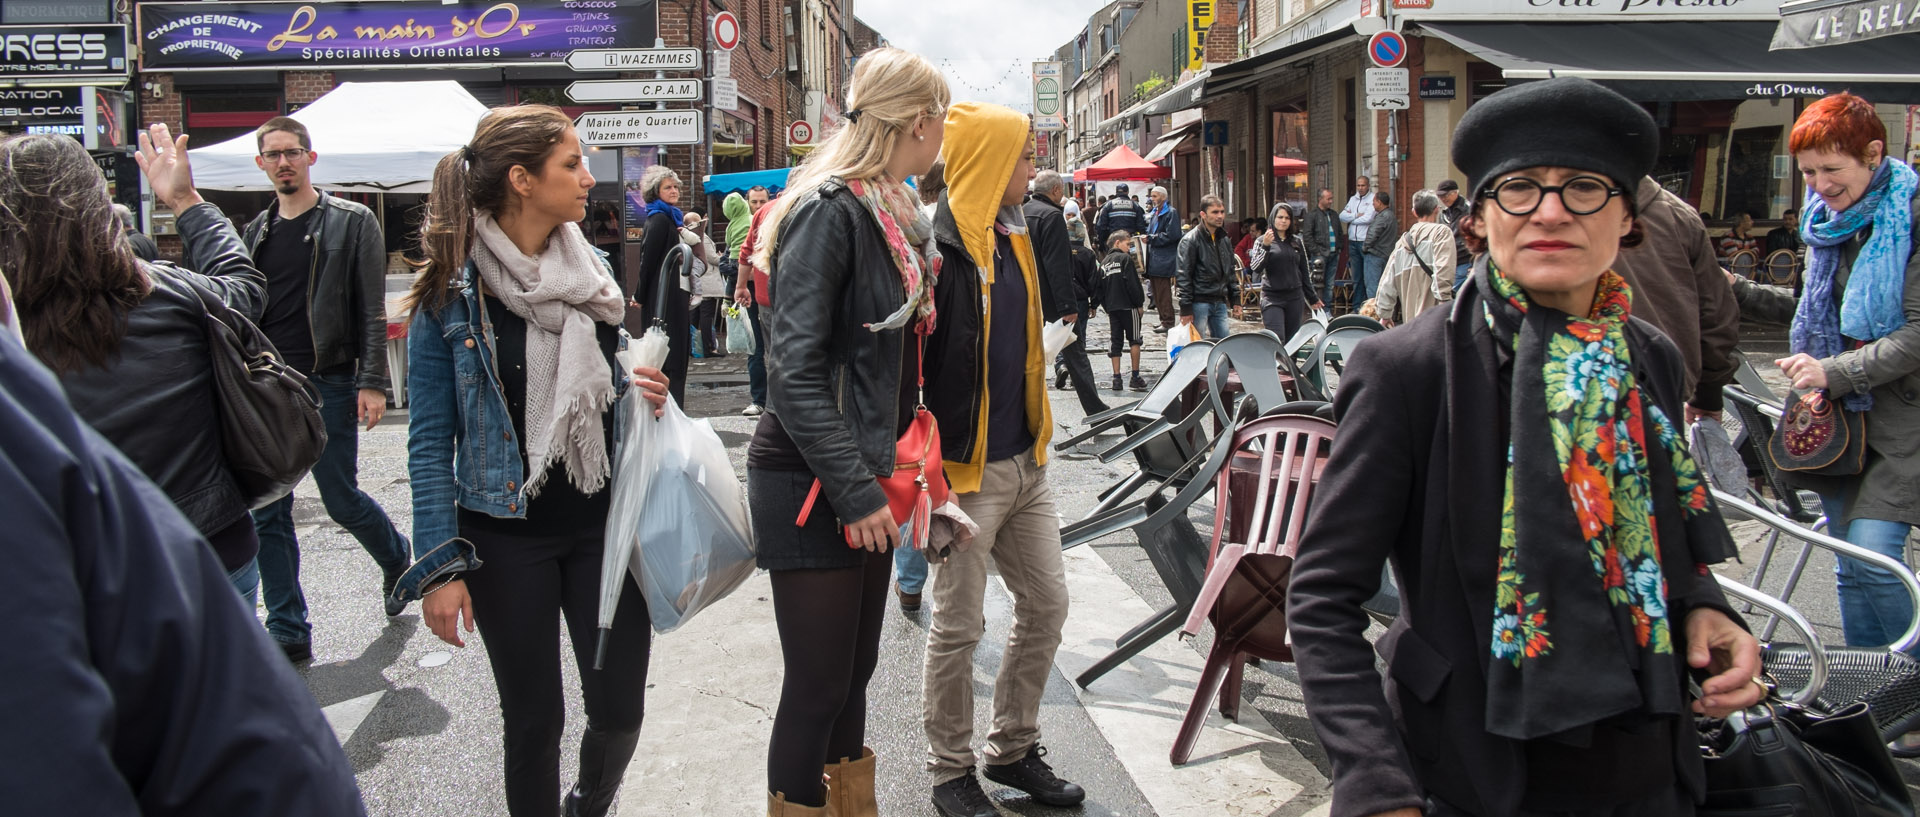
(663, 287)
(600, 651)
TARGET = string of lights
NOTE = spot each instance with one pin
(951, 69)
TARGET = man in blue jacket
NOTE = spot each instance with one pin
(137, 681)
(1163, 246)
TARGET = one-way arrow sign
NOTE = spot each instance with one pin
(635, 59)
(634, 90)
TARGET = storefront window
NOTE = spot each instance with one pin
(1750, 183)
(1290, 180)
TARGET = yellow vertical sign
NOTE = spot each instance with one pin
(1199, 19)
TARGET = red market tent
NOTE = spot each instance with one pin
(1121, 165)
(1283, 166)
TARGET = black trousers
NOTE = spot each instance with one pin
(524, 583)
(1079, 371)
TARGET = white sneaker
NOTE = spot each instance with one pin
(751, 411)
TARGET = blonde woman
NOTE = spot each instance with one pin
(849, 296)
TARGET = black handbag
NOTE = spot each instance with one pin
(1782, 760)
(1817, 435)
(270, 425)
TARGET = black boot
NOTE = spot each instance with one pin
(603, 764)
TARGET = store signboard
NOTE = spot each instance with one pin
(640, 128)
(1816, 23)
(56, 11)
(288, 34)
(95, 116)
(63, 51)
(1565, 10)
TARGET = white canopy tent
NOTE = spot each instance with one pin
(371, 137)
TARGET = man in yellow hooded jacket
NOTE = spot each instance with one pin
(986, 374)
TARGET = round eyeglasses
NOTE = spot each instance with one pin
(1581, 195)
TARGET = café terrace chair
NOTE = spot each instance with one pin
(1757, 420)
(1887, 678)
(1329, 357)
(1300, 346)
(1244, 593)
(1782, 266)
(1746, 264)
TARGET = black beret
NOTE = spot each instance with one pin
(1561, 122)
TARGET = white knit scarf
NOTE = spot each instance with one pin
(569, 384)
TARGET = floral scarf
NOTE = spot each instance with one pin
(908, 232)
(1581, 629)
(1871, 307)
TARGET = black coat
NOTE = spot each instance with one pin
(660, 235)
(347, 300)
(156, 398)
(833, 384)
(1047, 227)
(137, 681)
(1416, 477)
(1283, 271)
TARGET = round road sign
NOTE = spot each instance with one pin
(726, 30)
(800, 132)
(1387, 49)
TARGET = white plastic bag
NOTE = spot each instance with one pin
(1055, 336)
(739, 331)
(678, 508)
(1178, 337)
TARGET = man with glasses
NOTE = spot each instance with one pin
(325, 262)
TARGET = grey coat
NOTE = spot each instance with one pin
(1889, 369)
(1381, 234)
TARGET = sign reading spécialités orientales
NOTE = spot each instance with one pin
(283, 34)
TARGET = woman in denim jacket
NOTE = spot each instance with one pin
(511, 367)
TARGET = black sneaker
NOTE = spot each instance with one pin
(1032, 775)
(1138, 384)
(1117, 385)
(963, 797)
(297, 651)
(1059, 377)
(395, 606)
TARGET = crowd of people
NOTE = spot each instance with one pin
(1514, 449)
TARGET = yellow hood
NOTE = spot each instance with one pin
(982, 145)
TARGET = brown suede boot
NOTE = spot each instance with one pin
(850, 787)
(777, 806)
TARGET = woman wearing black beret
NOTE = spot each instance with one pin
(1519, 462)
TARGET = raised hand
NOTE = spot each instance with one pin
(163, 158)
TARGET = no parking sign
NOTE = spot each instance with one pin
(1387, 49)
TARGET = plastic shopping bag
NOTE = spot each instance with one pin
(1320, 314)
(678, 508)
(739, 331)
(1055, 336)
(1179, 337)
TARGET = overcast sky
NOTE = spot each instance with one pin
(979, 43)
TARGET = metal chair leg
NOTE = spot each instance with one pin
(1161, 625)
(1786, 592)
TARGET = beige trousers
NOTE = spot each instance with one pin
(1020, 531)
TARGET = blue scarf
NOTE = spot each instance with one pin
(1870, 308)
(661, 206)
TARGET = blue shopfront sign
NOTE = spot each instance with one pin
(385, 33)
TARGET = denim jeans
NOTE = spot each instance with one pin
(1369, 285)
(910, 567)
(246, 579)
(1211, 319)
(1874, 607)
(1461, 274)
(757, 362)
(337, 477)
(1329, 271)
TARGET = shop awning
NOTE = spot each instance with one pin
(1166, 147)
(1693, 60)
(1327, 26)
(732, 151)
(1283, 166)
(721, 184)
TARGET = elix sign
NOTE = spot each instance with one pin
(1823, 22)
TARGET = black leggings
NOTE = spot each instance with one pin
(829, 624)
(523, 582)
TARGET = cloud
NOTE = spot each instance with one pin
(984, 46)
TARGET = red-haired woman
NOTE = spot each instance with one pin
(1856, 334)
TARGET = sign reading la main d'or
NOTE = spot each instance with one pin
(198, 36)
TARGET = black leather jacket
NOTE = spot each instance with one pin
(1206, 269)
(156, 399)
(1047, 226)
(347, 292)
(833, 384)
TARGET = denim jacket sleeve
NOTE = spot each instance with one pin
(433, 431)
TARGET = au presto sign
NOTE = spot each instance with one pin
(383, 33)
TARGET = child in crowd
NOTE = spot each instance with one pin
(1120, 293)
